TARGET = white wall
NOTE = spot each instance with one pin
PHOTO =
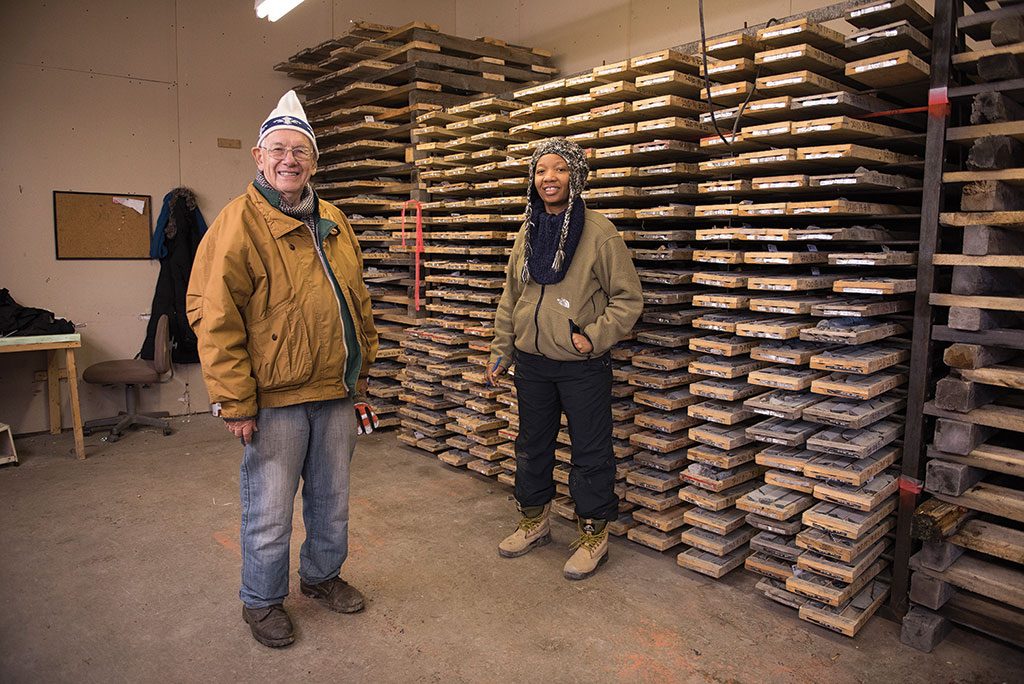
(123, 96)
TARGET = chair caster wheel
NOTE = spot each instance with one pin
(113, 437)
(87, 432)
(168, 431)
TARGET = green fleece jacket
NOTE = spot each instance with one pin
(600, 295)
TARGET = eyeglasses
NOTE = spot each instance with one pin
(301, 154)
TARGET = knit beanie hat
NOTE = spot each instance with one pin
(288, 115)
(576, 159)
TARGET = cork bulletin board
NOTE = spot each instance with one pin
(93, 225)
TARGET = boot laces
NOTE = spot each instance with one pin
(588, 541)
(528, 525)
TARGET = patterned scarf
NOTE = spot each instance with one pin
(576, 159)
(546, 237)
(306, 210)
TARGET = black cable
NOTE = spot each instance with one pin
(707, 79)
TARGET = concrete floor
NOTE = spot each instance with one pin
(125, 567)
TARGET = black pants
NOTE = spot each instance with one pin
(583, 390)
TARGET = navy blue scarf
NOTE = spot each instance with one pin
(543, 241)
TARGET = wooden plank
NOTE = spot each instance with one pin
(1014, 129)
(990, 539)
(991, 260)
(1002, 583)
(959, 219)
(992, 415)
(987, 457)
(993, 499)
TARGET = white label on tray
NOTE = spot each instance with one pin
(616, 153)
(815, 236)
(838, 181)
(773, 286)
(618, 174)
(783, 55)
(841, 312)
(876, 65)
(656, 126)
(778, 238)
(784, 81)
(855, 262)
(655, 81)
(771, 131)
(652, 172)
(773, 260)
(781, 184)
(720, 69)
(765, 160)
(878, 34)
(823, 155)
(725, 44)
(715, 305)
(783, 32)
(774, 357)
(815, 128)
(766, 212)
(770, 105)
(819, 102)
(776, 309)
(726, 91)
(863, 290)
(812, 210)
(868, 10)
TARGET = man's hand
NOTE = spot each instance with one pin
(366, 419)
(362, 384)
(582, 344)
(242, 429)
(493, 372)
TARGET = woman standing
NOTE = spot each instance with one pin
(571, 293)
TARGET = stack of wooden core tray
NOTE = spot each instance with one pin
(811, 269)
(969, 570)
(762, 264)
(363, 93)
(453, 413)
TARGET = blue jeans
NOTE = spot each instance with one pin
(315, 441)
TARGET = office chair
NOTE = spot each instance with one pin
(133, 374)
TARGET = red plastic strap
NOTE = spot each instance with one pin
(938, 101)
(911, 485)
(419, 248)
(894, 112)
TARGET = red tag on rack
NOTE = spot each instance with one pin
(938, 101)
(910, 485)
(418, 249)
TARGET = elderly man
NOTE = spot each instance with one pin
(286, 335)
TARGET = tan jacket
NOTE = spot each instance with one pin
(268, 321)
(600, 293)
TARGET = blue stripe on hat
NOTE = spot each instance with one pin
(289, 121)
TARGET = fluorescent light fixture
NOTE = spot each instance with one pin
(275, 9)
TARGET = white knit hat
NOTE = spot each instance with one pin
(288, 115)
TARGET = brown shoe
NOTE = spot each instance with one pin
(591, 549)
(270, 626)
(533, 530)
(336, 594)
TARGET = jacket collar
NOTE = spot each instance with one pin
(279, 223)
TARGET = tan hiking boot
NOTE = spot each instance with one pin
(591, 550)
(533, 530)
